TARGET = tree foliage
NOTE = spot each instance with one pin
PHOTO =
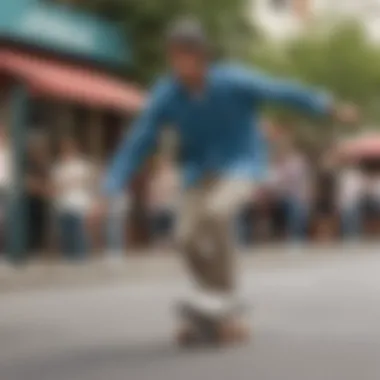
(341, 61)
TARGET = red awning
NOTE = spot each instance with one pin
(46, 77)
(366, 146)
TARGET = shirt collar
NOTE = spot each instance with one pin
(184, 90)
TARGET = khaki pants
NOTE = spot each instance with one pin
(205, 231)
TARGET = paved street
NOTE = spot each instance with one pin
(314, 319)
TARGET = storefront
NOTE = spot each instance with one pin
(57, 73)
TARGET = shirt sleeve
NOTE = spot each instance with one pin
(256, 86)
(137, 144)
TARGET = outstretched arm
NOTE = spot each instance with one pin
(256, 86)
(136, 146)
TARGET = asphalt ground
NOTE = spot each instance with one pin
(315, 317)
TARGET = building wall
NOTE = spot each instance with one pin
(61, 29)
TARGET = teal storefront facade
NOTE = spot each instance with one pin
(51, 33)
(59, 29)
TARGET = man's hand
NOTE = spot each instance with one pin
(346, 113)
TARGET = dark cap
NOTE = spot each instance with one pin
(187, 33)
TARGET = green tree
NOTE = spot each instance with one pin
(145, 22)
(341, 60)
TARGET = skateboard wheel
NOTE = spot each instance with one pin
(233, 332)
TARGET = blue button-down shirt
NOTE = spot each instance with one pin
(218, 130)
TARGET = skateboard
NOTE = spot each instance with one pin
(201, 328)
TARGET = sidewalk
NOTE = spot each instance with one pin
(45, 275)
(155, 265)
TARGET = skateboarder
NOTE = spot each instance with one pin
(212, 106)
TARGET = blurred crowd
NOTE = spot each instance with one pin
(61, 188)
(299, 199)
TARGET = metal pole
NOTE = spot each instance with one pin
(17, 244)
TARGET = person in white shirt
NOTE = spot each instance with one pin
(290, 183)
(5, 185)
(73, 182)
(350, 191)
(115, 227)
(5, 165)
